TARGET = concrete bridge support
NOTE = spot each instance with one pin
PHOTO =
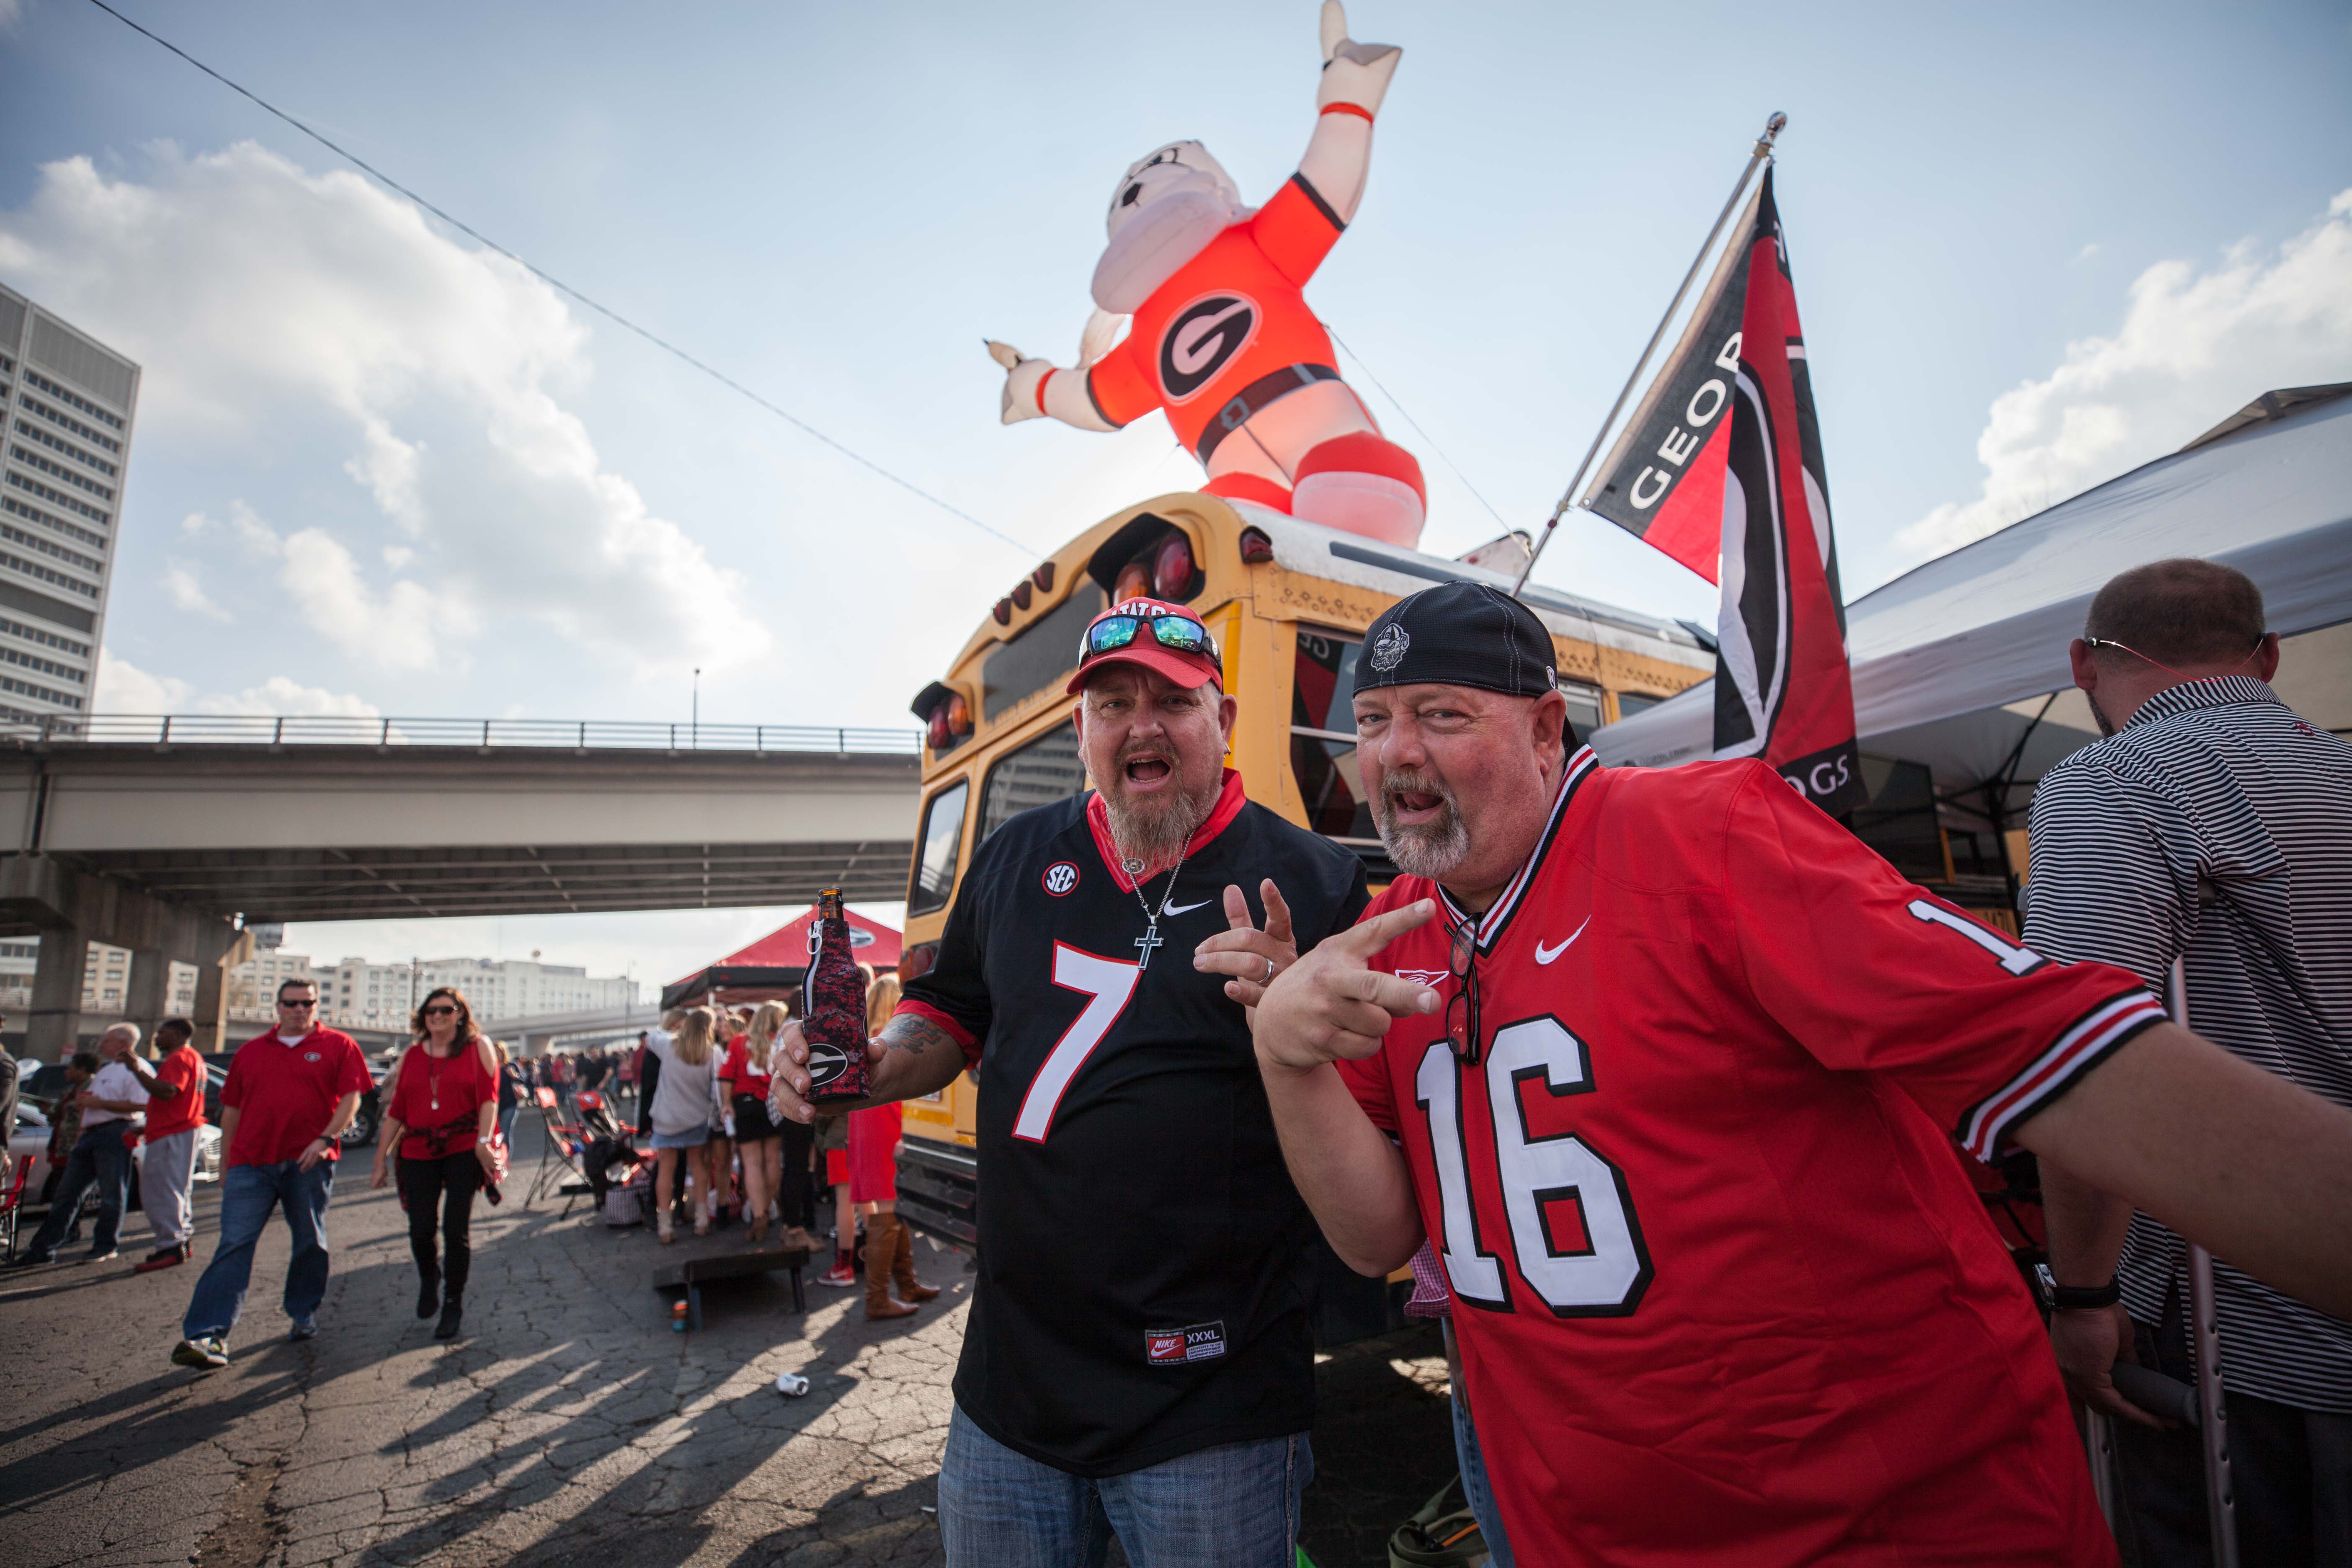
(69, 909)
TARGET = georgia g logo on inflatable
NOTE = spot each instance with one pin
(1201, 337)
(1200, 314)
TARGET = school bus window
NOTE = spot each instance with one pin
(1042, 654)
(935, 851)
(1323, 735)
(1045, 770)
(1632, 702)
(1583, 707)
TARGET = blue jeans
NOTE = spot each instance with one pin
(1475, 1489)
(506, 1127)
(1234, 1506)
(100, 1157)
(247, 1195)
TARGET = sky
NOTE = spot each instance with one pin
(381, 469)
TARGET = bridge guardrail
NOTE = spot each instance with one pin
(335, 730)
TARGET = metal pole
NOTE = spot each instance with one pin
(695, 728)
(2205, 1334)
(1762, 155)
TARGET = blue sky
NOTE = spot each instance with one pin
(2034, 246)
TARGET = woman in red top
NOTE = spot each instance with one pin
(873, 1134)
(441, 1116)
(744, 1081)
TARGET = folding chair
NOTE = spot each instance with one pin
(560, 1170)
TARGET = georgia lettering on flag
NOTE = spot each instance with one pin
(1721, 468)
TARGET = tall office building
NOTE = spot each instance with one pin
(66, 405)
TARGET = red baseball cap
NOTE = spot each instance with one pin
(1186, 668)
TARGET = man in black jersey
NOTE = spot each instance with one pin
(1138, 1359)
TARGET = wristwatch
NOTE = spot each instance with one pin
(2074, 1297)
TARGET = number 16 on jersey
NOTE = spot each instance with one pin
(1603, 1274)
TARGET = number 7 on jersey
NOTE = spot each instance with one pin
(1107, 984)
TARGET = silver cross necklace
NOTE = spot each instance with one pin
(1151, 937)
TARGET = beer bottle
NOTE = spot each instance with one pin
(833, 1007)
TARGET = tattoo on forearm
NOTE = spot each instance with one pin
(912, 1034)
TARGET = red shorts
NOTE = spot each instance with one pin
(837, 1167)
(873, 1154)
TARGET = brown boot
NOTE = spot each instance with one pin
(902, 1267)
(879, 1254)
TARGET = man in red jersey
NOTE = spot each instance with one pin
(175, 1119)
(1662, 1064)
(290, 1093)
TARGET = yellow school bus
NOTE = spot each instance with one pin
(1289, 602)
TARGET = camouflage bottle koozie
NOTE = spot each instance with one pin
(833, 1007)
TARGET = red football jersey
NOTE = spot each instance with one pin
(1722, 1293)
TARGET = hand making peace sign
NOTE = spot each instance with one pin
(1332, 1003)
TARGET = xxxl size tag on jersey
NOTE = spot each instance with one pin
(1174, 1347)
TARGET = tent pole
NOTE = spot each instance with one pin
(1762, 155)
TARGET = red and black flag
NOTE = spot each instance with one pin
(1721, 468)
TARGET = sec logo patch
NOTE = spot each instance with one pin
(1060, 877)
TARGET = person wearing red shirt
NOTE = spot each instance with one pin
(873, 1136)
(442, 1117)
(743, 1080)
(1662, 1064)
(289, 1096)
(175, 1112)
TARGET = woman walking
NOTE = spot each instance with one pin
(874, 1186)
(760, 1141)
(442, 1116)
(681, 1115)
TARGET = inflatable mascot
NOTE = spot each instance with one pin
(1222, 338)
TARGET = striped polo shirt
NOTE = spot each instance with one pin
(2217, 828)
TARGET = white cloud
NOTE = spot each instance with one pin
(282, 696)
(262, 299)
(189, 595)
(124, 688)
(2193, 348)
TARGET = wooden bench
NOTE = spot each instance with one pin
(691, 1274)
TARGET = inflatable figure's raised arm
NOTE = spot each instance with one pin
(1355, 78)
(1037, 387)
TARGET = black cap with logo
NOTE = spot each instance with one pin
(1460, 634)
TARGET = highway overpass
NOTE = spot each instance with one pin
(161, 834)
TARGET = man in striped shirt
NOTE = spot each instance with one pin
(2213, 827)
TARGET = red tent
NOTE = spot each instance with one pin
(770, 967)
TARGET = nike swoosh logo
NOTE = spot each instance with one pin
(1186, 909)
(1545, 954)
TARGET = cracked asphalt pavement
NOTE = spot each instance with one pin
(571, 1424)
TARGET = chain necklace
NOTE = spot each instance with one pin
(1151, 937)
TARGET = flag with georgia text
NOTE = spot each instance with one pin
(1721, 468)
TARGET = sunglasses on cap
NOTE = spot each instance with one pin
(1180, 634)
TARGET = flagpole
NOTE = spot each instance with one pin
(1762, 155)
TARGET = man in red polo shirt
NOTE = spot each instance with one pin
(291, 1094)
(175, 1117)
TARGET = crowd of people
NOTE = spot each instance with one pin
(1661, 1081)
(722, 1156)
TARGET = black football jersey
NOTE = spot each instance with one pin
(1143, 1256)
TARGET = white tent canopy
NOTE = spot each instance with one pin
(1952, 660)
